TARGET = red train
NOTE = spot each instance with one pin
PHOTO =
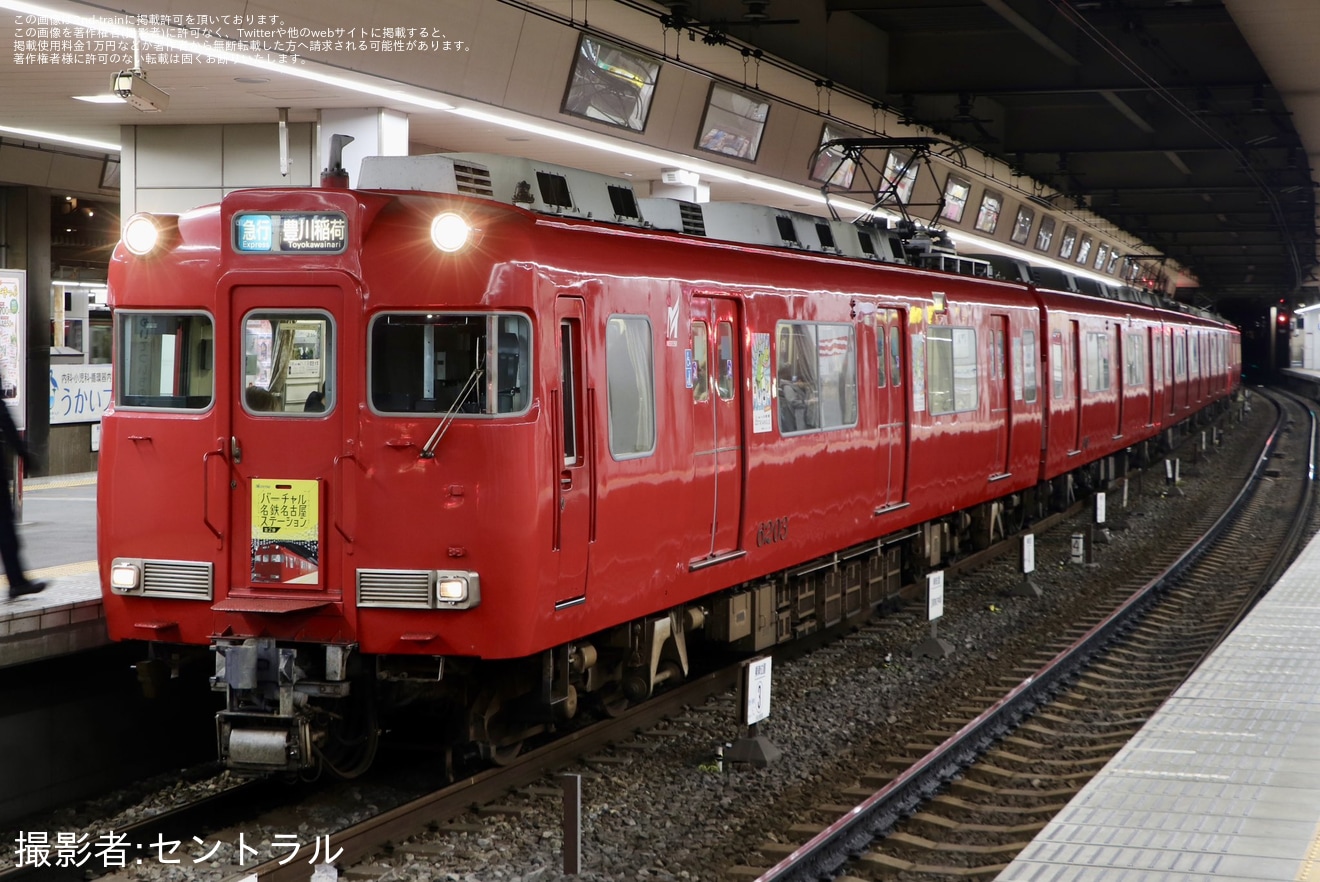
(513, 459)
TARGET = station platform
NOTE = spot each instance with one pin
(57, 532)
(1223, 781)
(1301, 381)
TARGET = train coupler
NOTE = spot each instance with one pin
(256, 743)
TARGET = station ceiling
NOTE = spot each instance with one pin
(1193, 125)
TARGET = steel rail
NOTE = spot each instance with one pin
(825, 853)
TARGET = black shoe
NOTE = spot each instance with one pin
(29, 588)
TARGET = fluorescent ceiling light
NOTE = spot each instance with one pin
(99, 99)
(37, 135)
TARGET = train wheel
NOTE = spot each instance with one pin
(502, 740)
(612, 701)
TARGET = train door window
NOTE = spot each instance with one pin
(450, 363)
(631, 377)
(725, 367)
(1028, 358)
(880, 357)
(1134, 362)
(1193, 355)
(997, 370)
(1179, 356)
(1157, 358)
(568, 352)
(895, 358)
(1056, 366)
(1097, 362)
(166, 360)
(288, 363)
(700, 362)
(951, 369)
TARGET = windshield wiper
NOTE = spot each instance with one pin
(428, 449)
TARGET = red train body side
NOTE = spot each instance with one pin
(651, 451)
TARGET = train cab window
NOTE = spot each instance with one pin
(700, 362)
(816, 371)
(288, 363)
(724, 377)
(631, 377)
(951, 369)
(1028, 358)
(165, 361)
(447, 363)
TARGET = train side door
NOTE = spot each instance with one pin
(1120, 377)
(574, 486)
(290, 464)
(1000, 393)
(1155, 375)
(717, 425)
(891, 455)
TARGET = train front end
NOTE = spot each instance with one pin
(314, 399)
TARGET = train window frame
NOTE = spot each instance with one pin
(950, 388)
(797, 393)
(489, 390)
(616, 359)
(126, 360)
(256, 399)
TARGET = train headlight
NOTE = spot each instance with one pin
(141, 234)
(450, 232)
(125, 575)
(457, 590)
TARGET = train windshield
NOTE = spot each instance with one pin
(443, 363)
(166, 360)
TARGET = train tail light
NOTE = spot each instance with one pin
(125, 576)
(450, 232)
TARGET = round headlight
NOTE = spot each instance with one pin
(141, 234)
(450, 232)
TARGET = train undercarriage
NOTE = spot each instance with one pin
(307, 708)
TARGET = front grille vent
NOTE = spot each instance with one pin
(178, 579)
(399, 589)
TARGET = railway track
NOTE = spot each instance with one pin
(965, 798)
(376, 835)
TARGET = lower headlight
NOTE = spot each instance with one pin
(457, 589)
(125, 575)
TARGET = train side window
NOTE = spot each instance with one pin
(816, 373)
(460, 363)
(631, 376)
(700, 362)
(165, 360)
(951, 369)
(1029, 359)
(288, 363)
(724, 339)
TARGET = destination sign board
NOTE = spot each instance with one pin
(291, 232)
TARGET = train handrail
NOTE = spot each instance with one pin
(343, 494)
(206, 494)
